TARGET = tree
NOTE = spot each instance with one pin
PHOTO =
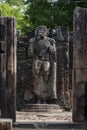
(52, 12)
(39, 12)
(12, 9)
(31, 13)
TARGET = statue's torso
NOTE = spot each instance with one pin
(44, 69)
(41, 50)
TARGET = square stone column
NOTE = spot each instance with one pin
(8, 67)
(80, 65)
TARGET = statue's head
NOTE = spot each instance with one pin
(41, 32)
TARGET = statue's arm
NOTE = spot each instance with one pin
(30, 48)
(53, 49)
(54, 53)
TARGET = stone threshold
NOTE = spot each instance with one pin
(51, 125)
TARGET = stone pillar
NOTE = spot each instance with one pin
(25, 82)
(0, 13)
(70, 58)
(61, 36)
(80, 65)
(5, 124)
(8, 67)
(0, 67)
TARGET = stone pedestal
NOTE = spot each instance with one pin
(5, 124)
(41, 107)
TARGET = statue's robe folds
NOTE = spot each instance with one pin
(44, 67)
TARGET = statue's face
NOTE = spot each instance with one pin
(41, 32)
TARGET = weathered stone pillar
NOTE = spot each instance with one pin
(63, 66)
(70, 58)
(5, 124)
(80, 65)
(0, 13)
(8, 67)
(61, 35)
(0, 69)
(25, 81)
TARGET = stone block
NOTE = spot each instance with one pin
(5, 124)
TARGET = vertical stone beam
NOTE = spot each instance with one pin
(0, 63)
(2, 29)
(62, 41)
(80, 64)
(0, 72)
(0, 13)
(70, 58)
(8, 68)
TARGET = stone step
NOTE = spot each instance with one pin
(5, 124)
(40, 110)
(49, 125)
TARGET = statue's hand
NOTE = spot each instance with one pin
(50, 49)
(30, 52)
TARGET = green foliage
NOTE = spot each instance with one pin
(13, 2)
(52, 12)
(10, 8)
(31, 13)
(39, 12)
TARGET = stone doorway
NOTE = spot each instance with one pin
(79, 84)
(8, 66)
(26, 98)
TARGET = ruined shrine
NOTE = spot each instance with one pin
(71, 49)
(26, 94)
